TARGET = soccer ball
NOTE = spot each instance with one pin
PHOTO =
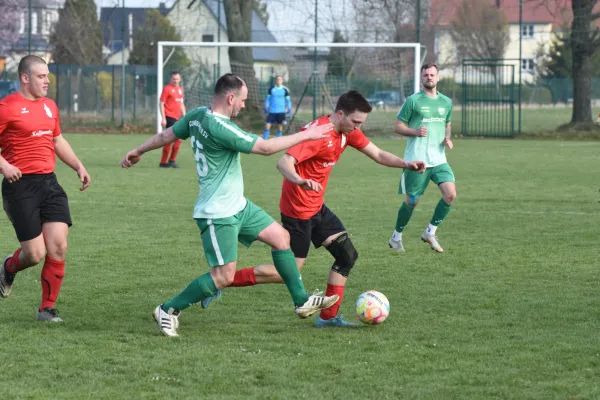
(372, 307)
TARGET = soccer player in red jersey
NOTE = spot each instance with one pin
(306, 168)
(34, 202)
(171, 109)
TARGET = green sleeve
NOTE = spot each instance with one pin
(406, 111)
(232, 137)
(181, 128)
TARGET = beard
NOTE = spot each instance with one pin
(429, 85)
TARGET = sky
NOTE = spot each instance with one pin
(289, 20)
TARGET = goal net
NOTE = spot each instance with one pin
(315, 74)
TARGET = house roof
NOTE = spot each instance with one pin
(260, 33)
(555, 12)
(111, 19)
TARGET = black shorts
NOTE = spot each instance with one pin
(316, 230)
(170, 121)
(32, 201)
(275, 118)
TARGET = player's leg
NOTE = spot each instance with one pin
(443, 176)
(331, 234)
(164, 159)
(412, 185)
(23, 210)
(53, 271)
(268, 123)
(174, 151)
(56, 220)
(258, 225)
(280, 119)
(219, 241)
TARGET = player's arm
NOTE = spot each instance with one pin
(9, 171)
(402, 129)
(65, 153)
(275, 145)
(161, 106)
(287, 167)
(288, 102)
(155, 142)
(390, 160)
(447, 137)
(183, 110)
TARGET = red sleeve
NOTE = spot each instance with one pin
(358, 140)
(164, 95)
(57, 131)
(4, 117)
(304, 151)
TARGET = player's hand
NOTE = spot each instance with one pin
(163, 123)
(418, 166)
(319, 131)
(266, 111)
(448, 143)
(422, 131)
(131, 158)
(309, 184)
(84, 177)
(11, 173)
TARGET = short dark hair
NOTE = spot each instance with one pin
(228, 83)
(352, 101)
(429, 65)
(27, 62)
(175, 73)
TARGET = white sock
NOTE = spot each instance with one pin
(431, 229)
(397, 236)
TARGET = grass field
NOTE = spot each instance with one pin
(510, 310)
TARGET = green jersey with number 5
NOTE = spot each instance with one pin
(217, 143)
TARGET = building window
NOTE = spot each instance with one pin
(528, 65)
(34, 23)
(208, 38)
(528, 31)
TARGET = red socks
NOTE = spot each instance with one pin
(165, 154)
(12, 264)
(332, 311)
(176, 146)
(53, 272)
(244, 277)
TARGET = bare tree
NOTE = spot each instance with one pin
(238, 14)
(10, 11)
(480, 31)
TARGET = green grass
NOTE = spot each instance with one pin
(510, 310)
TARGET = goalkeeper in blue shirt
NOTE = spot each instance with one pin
(278, 105)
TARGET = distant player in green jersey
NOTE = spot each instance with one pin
(222, 213)
(425, 120)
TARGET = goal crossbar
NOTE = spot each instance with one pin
(162, 44)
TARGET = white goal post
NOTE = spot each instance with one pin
(415, 50)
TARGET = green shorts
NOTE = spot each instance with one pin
(414, 184)
(220, 236)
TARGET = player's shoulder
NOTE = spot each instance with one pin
(444, 97)
(319, 121)
(12, 104)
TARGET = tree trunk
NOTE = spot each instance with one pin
(238, 14)
(583, 48)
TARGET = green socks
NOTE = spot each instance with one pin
(404, 214)
(285, 264)
(198, 289)
(441, 211)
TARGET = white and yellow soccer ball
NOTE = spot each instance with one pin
(372, 307)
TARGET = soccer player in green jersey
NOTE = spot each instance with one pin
(425, 120)
(222, 213)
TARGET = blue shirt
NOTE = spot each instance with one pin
(278, 100)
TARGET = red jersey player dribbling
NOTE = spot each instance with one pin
(306, 168)
(36, 205)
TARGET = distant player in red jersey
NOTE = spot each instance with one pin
(306, 168)
(34, 202)
(171, 109)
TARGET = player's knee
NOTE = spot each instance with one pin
(58, 251)
(282, 241)
(34, 255)
(450, 197)
(344, 253)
